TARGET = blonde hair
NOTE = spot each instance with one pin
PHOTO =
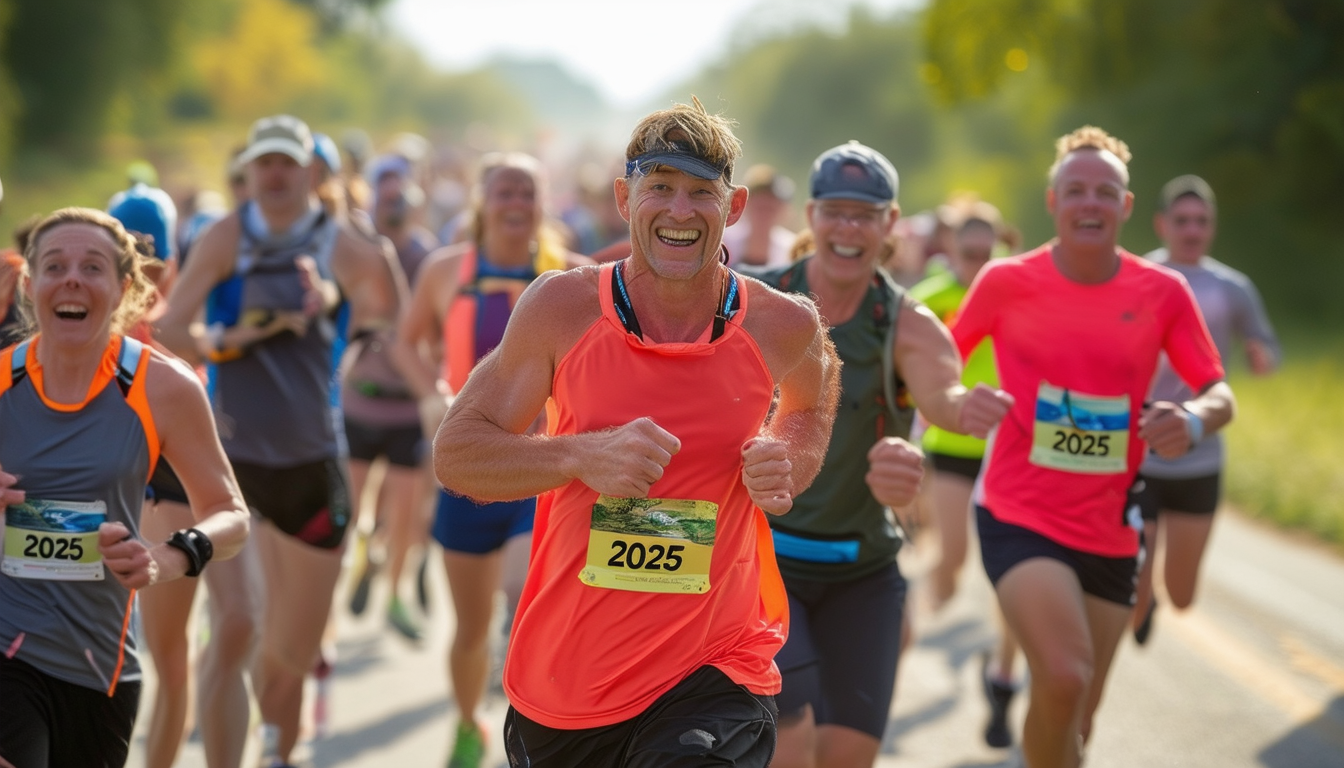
(548, 237)
(707, 136)
(130, 262)
(1089, 137)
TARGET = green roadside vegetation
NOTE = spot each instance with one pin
(1285, 446)
(962, 95)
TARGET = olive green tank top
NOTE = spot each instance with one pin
(836, 530)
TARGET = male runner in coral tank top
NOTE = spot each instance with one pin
(653, 609)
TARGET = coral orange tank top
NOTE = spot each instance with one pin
(626, 597)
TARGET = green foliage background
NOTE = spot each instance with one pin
(961, 95)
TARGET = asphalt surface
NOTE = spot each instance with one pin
(1253, 675)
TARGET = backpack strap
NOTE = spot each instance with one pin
(893, 387)
(13, 370)
(128, 362)
(18, 368)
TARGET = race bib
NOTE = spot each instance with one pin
(54, 540)
(1075, 432)
(650, 545)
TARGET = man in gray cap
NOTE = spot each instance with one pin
(1180, 495)
(273, 273)
(837, 546)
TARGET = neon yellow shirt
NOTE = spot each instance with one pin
(943, 294)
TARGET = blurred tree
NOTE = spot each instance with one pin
(1249, 95)
(263, 61)
(9, 98)
(70, 60)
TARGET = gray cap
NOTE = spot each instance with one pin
(853, 171)
(285, 134)
(1188, 184)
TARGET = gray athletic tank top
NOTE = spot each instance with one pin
(90, 461)
(273, 404)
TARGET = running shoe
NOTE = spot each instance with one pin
(361, 574)
(401, 620)
(1000, 695)
(468, 747)
(1145, 628)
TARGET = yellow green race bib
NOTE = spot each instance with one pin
(650, 545)
(1076, 432)
(55, 540)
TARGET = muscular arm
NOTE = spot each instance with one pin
(805, 413)
(929, 363)
(190, 445)
(482, 450)
(212, 260)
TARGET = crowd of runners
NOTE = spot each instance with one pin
(685, 442)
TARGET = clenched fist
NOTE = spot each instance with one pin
(895, 468)
(627, 460)
(768, 474)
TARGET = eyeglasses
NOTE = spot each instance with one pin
(865, 217)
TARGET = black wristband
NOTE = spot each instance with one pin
(196, 546)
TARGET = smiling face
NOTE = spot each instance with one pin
(1090, 199)
(850, 236)
(511, 206)
(75, 287)
(677, 220)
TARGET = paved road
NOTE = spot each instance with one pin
(1253, 676)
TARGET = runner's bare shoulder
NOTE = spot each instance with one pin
(559, 306)
(783, 324)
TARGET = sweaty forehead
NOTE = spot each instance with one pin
(1094, 166)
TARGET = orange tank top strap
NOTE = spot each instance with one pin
(125, 361)
(459, 322)
(6, 368)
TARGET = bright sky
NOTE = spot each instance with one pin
(630, 49)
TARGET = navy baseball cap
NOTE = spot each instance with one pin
(680, 156)
(853, 171)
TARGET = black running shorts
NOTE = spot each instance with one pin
(1193, 495)
(1004, 545)
(310, 502)
(706, 719)
(843, 647)
(45, 721)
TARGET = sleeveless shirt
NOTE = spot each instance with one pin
(273, 402)
(838, 530)
(99, 451)
(584, 656)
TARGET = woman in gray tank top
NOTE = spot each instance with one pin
(85, 413)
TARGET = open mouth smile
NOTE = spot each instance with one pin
(678, 237)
